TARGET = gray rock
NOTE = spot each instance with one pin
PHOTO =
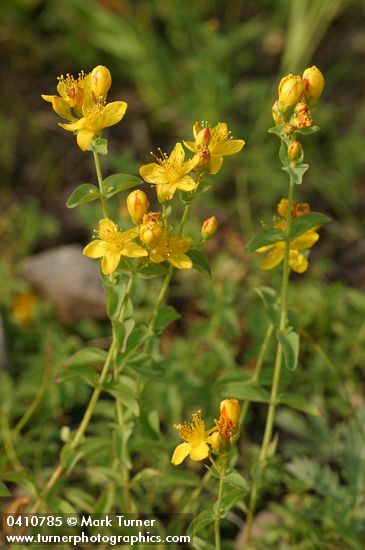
(69, 280)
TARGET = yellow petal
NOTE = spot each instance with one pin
(298, 262)
(307, 240)
(114, 112)
(110, 262)
(186, 184)
(156, 257)
(180, 453)
(84, 138)
(263, 249)
(200, 452)
(48, 98)
(181, 261)
(107, 227)
(153, 173)
(180, 244)
(273, 258)
(191, 145)
(177, 155)
(130, 234)
(95, 249)
(214, 164)
(73, 126)
(134, 250)
(229, 147)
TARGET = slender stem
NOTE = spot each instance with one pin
(184, 218)
(256, 374)
(103, 199)
(89, 410)
(217, 516)
(270, 419)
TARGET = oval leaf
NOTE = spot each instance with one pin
(306, 222)
(247, 391)
(119, 182)
(87, 192)
(165, 317)
(289, 341)
(296, 172)
(299, 403)
(200, 261)
(268, 236)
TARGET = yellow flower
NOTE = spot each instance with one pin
(213, 146)
(23, 308)
(112, 244)
(170, 173)
(195, 441)
(72, 92)
(297, 261)
(172, 249)
(97, 116)
(82, 101)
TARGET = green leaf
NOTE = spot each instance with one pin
(69, 457)
(200, 261)
(99, 145)
(268, 236)
(230, 498)
(122, 332)
(247, 391)
(119, 182)
(202, 520)
(114, 299)
(151, 271)
(4, 491)
(165, 317)
(86, 356)
(124, 393)
(236, 480)
(87, 192)
(145, 365)
(296, 172)
(299, 403)
(269, 298)
(290, 344)
(306, 222)
(308, 131)
(80, 373)
(277, 130)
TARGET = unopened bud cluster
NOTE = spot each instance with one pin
(298, 93)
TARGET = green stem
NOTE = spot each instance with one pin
(256, 374)
(89, 410)
(197, 491)
(103, 199)
(270, 419)
(217, 515)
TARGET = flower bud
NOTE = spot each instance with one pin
(301, 108)
(314, 84)
(230, 410)
(203, 137)
(291, 89)
(151, 229)
(138, 205)
(209, 228)
(101, 81)
(218, 443)
(295, 150)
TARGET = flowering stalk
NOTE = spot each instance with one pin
(286, 243)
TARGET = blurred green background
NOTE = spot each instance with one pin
(176, 62)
